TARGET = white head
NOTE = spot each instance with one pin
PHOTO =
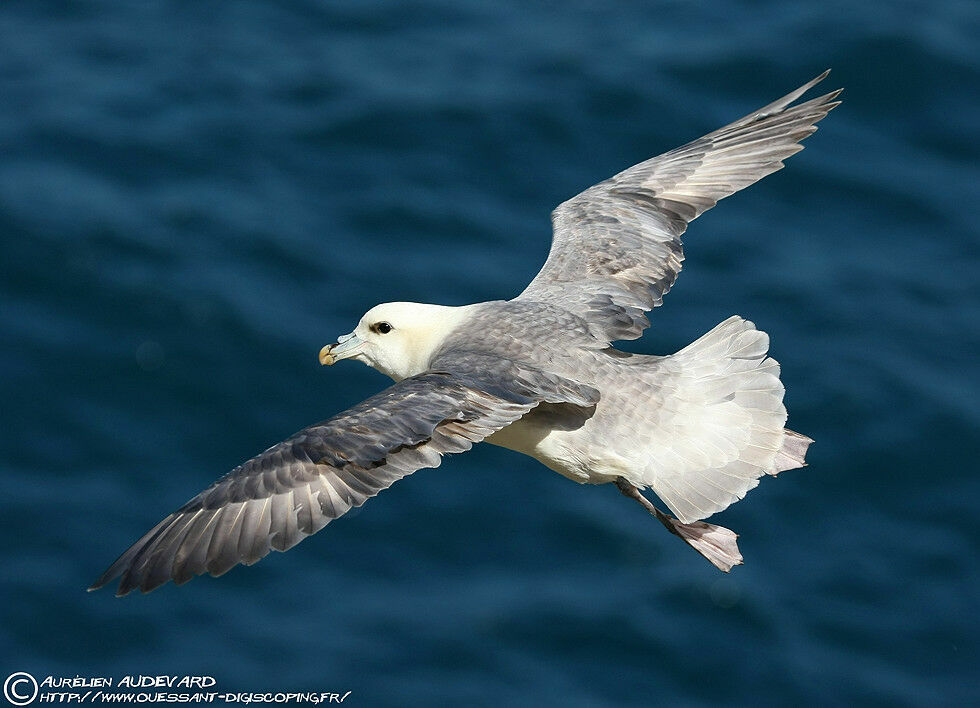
(397, 338)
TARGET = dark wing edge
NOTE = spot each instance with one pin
(295, 488)
(616, 249)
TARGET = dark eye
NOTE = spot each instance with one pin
(382, 328)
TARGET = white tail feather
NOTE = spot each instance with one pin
(721, 419)
(792, 454)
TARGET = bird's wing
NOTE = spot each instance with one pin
(616, 247)
(297, 487)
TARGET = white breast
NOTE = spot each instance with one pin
(560, 442)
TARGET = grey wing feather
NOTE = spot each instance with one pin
(616, 248)
(295, 488)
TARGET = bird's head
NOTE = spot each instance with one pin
(398, 339)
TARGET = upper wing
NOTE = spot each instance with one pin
(297, 487)
(616, 247)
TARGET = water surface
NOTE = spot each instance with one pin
(194, 199)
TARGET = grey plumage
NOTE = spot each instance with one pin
(295, 488)
(617, 245)
(537, 374)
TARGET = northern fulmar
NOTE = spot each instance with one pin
(538, 374)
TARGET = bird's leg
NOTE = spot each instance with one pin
(716, 543)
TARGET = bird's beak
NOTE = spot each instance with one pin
(345, 347)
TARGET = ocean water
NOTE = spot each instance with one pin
(195, 197)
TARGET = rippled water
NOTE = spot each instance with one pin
(195, 198)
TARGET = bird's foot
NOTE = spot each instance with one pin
(716, 543)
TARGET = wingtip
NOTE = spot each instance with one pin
(817, 79)
(98, 584)
(114, 571)
(107, 577)
(823, 100)
(826, 99)
(786, 103)
(811, 83)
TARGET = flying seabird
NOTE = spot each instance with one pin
(537, 374)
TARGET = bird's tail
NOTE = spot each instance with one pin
(721, 414)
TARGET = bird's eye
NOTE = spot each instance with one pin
(382, 328)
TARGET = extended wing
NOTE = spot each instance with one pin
(295, 488)
(617, 248)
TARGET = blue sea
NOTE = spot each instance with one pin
(195, 197)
